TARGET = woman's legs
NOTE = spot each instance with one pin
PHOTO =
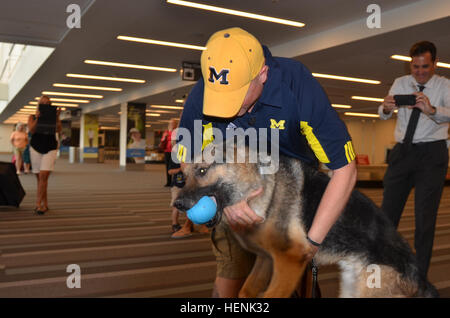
(18, 161)
(38, 195)
(42, 184)
(174, 216)
(42, 188)
(167, 162)
(42, 166)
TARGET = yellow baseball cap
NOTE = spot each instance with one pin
(232, 59)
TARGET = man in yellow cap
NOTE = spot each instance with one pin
(243, 86)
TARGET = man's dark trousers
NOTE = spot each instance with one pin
(423, 166)
(167, 156)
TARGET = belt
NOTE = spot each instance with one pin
(420, 144)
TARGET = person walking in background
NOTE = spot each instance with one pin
(91, 137)
(178, 182)
(19, 140)
(43, 152)
(26, 155)
(420, 157)
(166, 146)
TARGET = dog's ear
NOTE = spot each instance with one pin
(209, 153)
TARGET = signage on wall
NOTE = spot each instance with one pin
(190, 71)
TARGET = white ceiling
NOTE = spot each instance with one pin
(33, 22)
(103, 20)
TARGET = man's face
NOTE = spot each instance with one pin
(422, 68)
(254, 91)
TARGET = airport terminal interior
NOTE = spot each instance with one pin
(121, 71)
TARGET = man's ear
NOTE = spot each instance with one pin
(263, 74)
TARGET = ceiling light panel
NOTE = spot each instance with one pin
(100, 88)
(142, 67)
(362, 115)
(106, 78)
(71, 94)
(369, 99)
(236, 13)
(162, 111)
(164, 43)
(341, 106)
(166, 107)
(65, 104)
(408, 59)
(345, 78)
(81, 101)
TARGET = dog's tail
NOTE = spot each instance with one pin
(427, 290)
(424, 289)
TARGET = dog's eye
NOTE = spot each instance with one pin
(202, 171)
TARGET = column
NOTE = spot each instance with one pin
(123, 135)
(81, 138)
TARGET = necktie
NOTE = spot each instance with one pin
(412, 123)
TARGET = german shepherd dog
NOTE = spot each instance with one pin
(362, 235)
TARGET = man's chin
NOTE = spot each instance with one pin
(422, 80)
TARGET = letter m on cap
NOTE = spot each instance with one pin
(222, 76)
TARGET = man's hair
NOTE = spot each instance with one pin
(422, 47)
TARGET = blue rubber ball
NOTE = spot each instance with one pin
(203, 211)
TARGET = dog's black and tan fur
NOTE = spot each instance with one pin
(362, 235)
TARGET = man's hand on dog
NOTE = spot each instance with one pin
(240, 216)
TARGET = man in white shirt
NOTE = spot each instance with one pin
(420, 157)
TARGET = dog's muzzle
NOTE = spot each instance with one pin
(185, 203)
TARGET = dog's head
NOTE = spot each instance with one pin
(227, 182)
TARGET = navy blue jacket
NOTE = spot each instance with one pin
(293, 102)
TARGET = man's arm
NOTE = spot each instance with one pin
(333, 201)
(388, 106)
(440, 114)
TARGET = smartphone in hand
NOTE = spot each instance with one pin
(405, 100)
